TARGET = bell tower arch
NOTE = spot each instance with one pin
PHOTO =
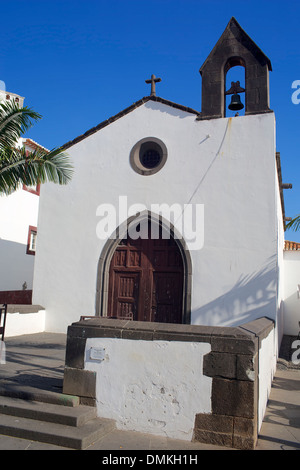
(235, 48)
(235, 66)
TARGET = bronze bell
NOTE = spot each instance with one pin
(235, 104)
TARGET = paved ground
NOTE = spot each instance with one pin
(35, 363)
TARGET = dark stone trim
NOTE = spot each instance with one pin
(135, 153)
(233, 366)
(81, 381)
(234, 48)
(109, 249)
(260, 328)
(263, 111)
(221, 338)
(124, 113)
(244, 39)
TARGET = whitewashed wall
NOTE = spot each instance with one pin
(18, 211)
(291, 295)
(143, 393)
(7, 96)
(227, 164)
(266, 370)
(22, 323)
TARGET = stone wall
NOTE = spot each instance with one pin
(232, 365)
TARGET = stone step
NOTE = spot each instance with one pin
(78, 438)
(39, 395)
(73, 427)
(70, 416)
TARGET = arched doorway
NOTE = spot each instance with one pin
(145, 279)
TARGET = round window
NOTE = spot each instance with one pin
(148, 156)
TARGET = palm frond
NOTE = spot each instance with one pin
(17, 168)
(294, 224)
(14, 122)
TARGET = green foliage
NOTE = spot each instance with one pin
(294, 224)
(18, 167)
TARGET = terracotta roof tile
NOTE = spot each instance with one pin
(291, 246)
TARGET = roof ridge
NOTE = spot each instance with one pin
(125, 111)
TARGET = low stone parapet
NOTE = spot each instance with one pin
(180, 381)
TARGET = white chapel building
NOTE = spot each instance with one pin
(202, 189)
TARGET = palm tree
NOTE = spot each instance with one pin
(18, 167)
(294, 224)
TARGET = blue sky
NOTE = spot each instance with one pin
(79, 62)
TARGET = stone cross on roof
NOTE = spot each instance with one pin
(153, 80)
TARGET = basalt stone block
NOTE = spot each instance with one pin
(245, 427)
(228, 431)
(139, 335)
(224, 344)
(233, 397)
(79, 382)
(243, 443)
(211, 422)
(214, 438)
(219, 365)
(246, 367)
(260, 327)
(75, 352)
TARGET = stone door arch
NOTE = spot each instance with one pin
(145, 279)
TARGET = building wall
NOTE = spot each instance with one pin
(291, 292)
(227, 165)
(18, 211)
(266, 369)
(7, 96)
(163, 399)
(19, 215)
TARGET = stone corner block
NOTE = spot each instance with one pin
(79, 382)
(234, 398)
(219, 365)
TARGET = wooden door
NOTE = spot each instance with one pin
(146, 281)
(167, 297)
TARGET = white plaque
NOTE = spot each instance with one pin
(97, 354)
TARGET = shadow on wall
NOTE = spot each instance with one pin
(253, 296)
(16, 271)
(292, 314)
(182, 114)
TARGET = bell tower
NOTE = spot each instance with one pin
(235, 48)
